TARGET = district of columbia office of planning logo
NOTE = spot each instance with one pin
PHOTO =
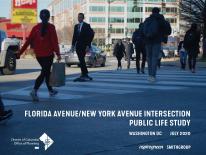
(46, 140)
(35, 143)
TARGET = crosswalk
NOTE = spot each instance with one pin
(113, 82)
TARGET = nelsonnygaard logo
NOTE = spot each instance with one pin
(46, 140)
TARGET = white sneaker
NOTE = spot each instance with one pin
(151, 79)
(34, 96)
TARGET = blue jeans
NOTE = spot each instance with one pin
(153, 51)
(183, 59)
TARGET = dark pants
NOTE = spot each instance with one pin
(81, 52)
(192, 60)
(153, 51)
(119, 62)
(139, 51)
(1, 105)
(183, 59)
(159, 62)
(45, 63)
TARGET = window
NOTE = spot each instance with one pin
(117, 20)
(171, 0)
(117, 30)
(97, 8)
(135, 9)
(172, 20)
(99, 30)
(97, 1)
(134, 20)
(148, 9)
(117, 9)
(171, 10)
(97, 19)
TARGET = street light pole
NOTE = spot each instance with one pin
(108, 26)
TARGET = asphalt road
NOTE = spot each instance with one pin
(93, 126)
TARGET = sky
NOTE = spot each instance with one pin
(5, 7)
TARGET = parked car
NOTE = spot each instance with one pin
(94, 57)
(8, 49)
(170, 51)
(64, 48)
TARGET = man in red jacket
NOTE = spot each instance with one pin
(43, 39)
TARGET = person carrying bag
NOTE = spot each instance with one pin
(44, 41)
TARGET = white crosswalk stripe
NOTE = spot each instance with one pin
(114, 82)
(14, 102)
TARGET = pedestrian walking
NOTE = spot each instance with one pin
(138, 41)
(43, 39)
(191, 45)
(129, 49)
(161, 55)
(4, 114)
(182, 54)
(119, 52)
(82, 38)
(155, 29)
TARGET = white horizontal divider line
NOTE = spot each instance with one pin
(145, 75)
(172, 83)
(14, 102)
(203, 73)
(141, 77)
(45, 95)
(96, 90)
(120, 85)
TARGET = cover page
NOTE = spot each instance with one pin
(102, 77)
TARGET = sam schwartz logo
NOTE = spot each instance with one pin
(46, 140)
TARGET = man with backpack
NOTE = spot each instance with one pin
(155, 29)
(191, 45)
(138, 41)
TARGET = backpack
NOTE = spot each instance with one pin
(189, 40)
(167, 28)
(151, 28)
(137, 38)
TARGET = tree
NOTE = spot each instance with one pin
(194, 11)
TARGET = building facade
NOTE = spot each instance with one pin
(64, 16)
(111, 19)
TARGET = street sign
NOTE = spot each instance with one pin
(24, 11)
(24, 4)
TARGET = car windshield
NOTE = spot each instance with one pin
(2, 37)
